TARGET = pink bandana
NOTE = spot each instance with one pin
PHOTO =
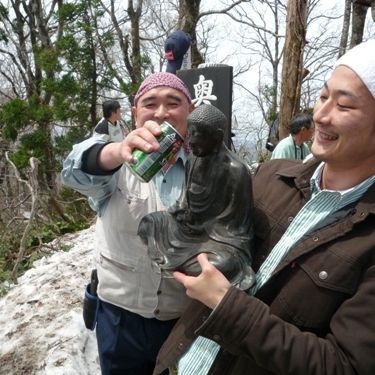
(162, 79)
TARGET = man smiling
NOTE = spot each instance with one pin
(311, 310)
(345, 129)
(138, 303)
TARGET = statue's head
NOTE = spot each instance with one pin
(206, 128)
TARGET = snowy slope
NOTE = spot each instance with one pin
(41, 326)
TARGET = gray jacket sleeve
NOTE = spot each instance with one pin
(98, 188)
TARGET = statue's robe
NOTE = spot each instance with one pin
(213, 215)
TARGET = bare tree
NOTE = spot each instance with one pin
(262, 34)
(264, 40)
(188, 17)
(345, 27)
(32, 186)
(360, 8)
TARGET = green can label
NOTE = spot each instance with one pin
(146, 165)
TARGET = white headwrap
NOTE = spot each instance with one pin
(361, 59)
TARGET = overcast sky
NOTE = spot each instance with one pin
(225, 48)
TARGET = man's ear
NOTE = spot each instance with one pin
(134, 113)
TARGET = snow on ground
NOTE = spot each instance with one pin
(41, 326)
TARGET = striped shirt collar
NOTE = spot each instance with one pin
(317, 176)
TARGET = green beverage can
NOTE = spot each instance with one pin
(146, 165)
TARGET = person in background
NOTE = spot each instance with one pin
(109, 127)
(138, 306)
(312, 308)
(294, 146)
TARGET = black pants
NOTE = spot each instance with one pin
(128, 343)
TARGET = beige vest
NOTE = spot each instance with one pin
(127, 277)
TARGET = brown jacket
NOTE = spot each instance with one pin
(316, 314)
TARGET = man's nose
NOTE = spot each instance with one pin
(161, 112)
(322, 112)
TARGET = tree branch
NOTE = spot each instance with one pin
(33, 188)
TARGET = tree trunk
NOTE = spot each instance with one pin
(345, 28)
(188, 18)
(358, 23)
(275, 68)
(292, 63)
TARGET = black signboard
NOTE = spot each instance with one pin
(212, 84)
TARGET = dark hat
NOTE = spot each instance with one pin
(175, 48)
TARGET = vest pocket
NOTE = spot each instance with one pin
(119, 281)
(130, 265)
